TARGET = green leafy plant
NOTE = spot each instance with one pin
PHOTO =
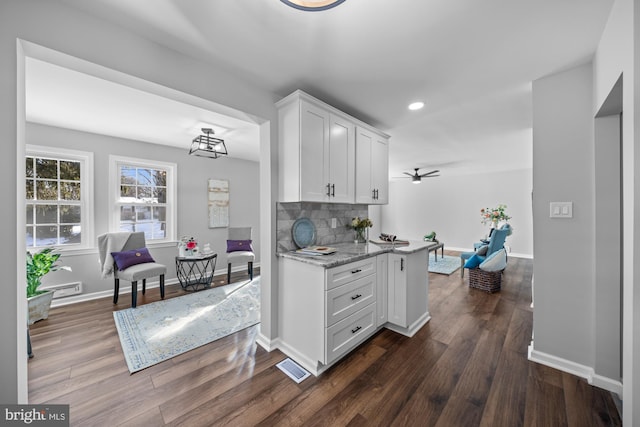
(494, 214)
(38, 265)
(431, 237)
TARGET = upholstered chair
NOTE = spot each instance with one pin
(240, 249)
(122, 248)
(496, 242)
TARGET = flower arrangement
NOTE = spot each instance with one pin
(494, 215)
(38, 265)
(360, 225)
(188, 246)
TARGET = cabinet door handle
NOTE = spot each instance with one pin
(401, 264)
(355, 271)
(373, 194)
(377, 194)
(329, 190)
(333, 190)
(353, 331)
(356, 296)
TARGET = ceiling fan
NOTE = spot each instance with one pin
(416, 177)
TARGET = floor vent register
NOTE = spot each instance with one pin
(293, 370)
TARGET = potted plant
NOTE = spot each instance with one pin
(38, 265)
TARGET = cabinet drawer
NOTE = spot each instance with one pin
(343, 274)
(345, 300)
(348, 333)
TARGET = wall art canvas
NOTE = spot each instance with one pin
(218, 199)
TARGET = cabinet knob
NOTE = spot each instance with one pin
(353, 331)
(356, 296)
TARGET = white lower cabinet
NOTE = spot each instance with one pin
(382, 262)
(326, 312)
(345, 300)
(348, 333)
(407, 292)
(397, 290)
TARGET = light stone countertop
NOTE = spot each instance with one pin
(350, 252)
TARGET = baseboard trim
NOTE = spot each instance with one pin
(573, 368)
(312, 366)
(607, 384)
(73, 299)
(412, 329)
(268, 344)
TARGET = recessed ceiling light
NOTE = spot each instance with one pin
(416, 105)
(312, 5)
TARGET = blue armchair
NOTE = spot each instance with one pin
(496, 242)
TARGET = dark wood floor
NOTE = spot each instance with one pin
(467, 367)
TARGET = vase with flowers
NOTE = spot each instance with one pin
(494, 215)
(360, 226)
(187, 247)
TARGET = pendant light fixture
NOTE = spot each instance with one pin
(312, 5)
(208, 146)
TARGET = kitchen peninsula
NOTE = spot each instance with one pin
(329, 304)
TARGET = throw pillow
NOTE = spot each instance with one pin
(497, 261)
(482, 250)
(474, 261)
(239, 246)
(126, 259)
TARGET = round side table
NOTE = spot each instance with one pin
(196, 273)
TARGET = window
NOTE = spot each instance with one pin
(58, 198)
(144, 195)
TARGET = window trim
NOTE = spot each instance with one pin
(87, 222)
(172, 195)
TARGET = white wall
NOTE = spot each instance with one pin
(617, 55)
(563, 171)
(64, 29)
(193, 173)
(450, 206)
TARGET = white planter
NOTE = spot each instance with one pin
(39, 306)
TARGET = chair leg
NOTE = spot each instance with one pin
(144, 286)
(250, 268)
(461, 268)
(228, 273)
(134, 294)
(116, 289)
(162, 286)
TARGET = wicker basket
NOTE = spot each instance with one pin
(488, 281)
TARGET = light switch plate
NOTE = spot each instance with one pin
(561, 210)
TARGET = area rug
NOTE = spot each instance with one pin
(446, 265)
(152, 333)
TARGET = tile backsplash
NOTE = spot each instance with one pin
(320, 214)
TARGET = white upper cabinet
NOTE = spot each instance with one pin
(314, 153)
(342, 146)
(372, 167)
(317, 149)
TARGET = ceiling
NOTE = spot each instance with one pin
(472, 63)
